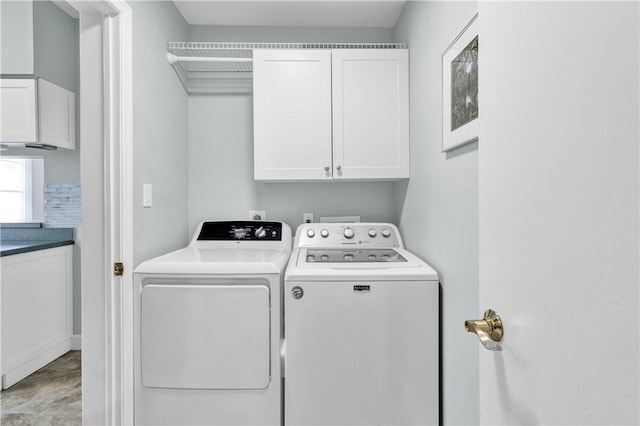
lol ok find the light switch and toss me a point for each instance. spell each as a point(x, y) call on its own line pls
point(147, 195)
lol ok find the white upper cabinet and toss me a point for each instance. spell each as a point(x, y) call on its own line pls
point(370, 114)
point(19, 110)
point(57, 115)
point(292, 114)
point(37, 111)
point(331, 114)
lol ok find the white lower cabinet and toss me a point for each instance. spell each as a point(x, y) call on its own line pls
point(37, 311)
point(338, 114)
point(37, 111)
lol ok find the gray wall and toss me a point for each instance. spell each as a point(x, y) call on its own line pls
point(439, 204)
point(55, 39)
point(287, 34)
point(221, 184)
point(159, 131)
point(16, 37)
point(38, 38)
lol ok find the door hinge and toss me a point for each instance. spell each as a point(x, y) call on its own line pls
point(118, 269)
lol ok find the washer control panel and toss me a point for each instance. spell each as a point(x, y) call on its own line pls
point(241, 230)
point(348, 234)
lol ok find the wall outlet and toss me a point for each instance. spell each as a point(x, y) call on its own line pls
point(307, 217)
point(257, 215)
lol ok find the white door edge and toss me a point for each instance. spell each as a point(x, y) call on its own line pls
point(106, 138)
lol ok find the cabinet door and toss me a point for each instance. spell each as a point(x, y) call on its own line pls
point(292, 114)
point(216, 337)
point(19, 116)
point(57, 115)
point(36, 310)
point(370, 114)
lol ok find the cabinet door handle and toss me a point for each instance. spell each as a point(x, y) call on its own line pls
point(326, 169)
point(339, 168)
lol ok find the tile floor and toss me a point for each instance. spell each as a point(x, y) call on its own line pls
point(50, 396)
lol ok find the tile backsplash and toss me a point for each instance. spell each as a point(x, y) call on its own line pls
point(62, 205)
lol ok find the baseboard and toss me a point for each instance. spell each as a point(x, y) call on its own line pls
point(76, 342)
point(32, 365)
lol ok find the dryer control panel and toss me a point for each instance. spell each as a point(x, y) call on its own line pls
point(249, 230)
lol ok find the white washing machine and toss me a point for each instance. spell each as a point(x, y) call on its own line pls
point(361, 329)
point(208, 328)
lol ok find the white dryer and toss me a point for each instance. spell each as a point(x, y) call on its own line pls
point(208, 328)
point(361, 329)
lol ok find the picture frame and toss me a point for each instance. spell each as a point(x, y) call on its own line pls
point(460, 108)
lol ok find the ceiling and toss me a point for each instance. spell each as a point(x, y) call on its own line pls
point(292, 13)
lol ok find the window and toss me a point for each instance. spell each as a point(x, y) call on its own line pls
point(21, 189)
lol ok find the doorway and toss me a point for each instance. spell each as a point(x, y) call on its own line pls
point(106, 176)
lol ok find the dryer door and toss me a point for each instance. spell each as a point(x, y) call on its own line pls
point(205, 336)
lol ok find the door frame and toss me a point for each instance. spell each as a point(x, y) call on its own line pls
point(106, 135)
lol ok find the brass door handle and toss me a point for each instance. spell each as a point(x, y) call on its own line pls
point(489, 330)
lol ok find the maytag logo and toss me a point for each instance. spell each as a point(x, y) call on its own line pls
point(362, 288)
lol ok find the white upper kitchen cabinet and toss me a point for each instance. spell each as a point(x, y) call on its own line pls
point(19, 110)
point(37, 111)
point(338, 114)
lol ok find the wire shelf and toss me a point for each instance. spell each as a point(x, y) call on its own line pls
point(205, 66)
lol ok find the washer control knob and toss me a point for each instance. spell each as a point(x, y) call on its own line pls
point(386, 233)
point(372, 233)
point(348, 233)
point(311, 233)
point(348, 257)
point(324, 233)
point(239, 233)
point(261, 232)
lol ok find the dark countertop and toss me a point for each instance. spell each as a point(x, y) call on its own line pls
point(7, 248)
point(17, 239)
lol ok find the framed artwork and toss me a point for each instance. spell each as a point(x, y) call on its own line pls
point(460, 108)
